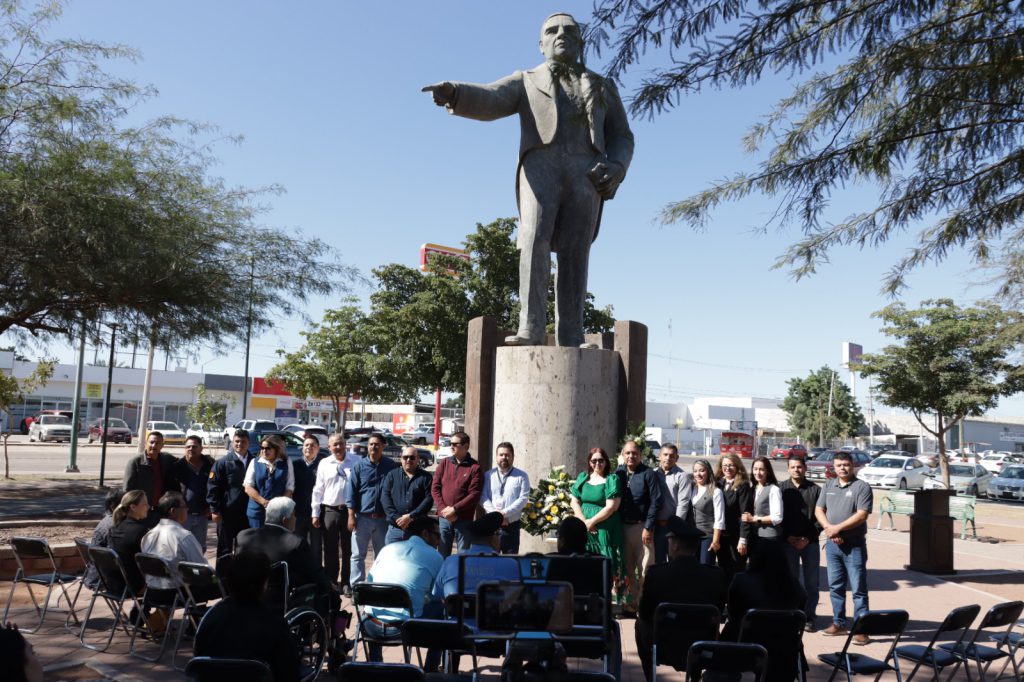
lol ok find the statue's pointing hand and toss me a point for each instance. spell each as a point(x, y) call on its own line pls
point(443, 93)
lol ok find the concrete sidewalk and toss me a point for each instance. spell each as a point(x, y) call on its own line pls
point(986, 574)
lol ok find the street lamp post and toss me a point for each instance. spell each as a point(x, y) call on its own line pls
point(106, 404)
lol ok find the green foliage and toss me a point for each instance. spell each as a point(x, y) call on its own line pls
point(807, 405)
point(421, 319)
point(549, 503)
point(102, 219)
point(948, 361)
point(210, 410)
point(13, 392)
point(339, 359)
point(921, 99)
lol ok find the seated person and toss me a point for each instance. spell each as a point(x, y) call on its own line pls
point(170, 540)
point(101, 535)
point(277, 540)
point(481, 532)
point(768, 583)
point(572, 537)
point(20, 661)
point(242, 626)
point(130, 524)
point(414, 564)
point(683, 580)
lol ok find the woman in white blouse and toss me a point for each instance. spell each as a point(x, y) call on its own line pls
point(767, 514)
point(707, 508)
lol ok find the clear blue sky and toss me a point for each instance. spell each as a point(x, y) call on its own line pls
point(327, 96)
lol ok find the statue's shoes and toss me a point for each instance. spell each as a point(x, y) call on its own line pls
point(589, 346)
point(518, 340)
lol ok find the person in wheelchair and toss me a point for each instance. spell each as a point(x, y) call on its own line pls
point(277, 539)
point(242, 626)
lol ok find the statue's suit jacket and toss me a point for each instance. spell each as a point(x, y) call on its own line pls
point(532, 94)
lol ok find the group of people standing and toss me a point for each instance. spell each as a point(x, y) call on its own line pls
point(630, 511)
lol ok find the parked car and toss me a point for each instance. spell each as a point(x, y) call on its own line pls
point(301, 430)
point(821, 467)
point(964, 479)
point(421, 435)
point(254, 426)
point(814, 452)
point(50, 427)
point(929, 459)
point(115, 431)
point(27, 422)
point(172, 433)
point(292, 444)
point(393, 446)
point(1008, 484)
point(894, 471)
point(209, 433)
point(996, 461)
point(876, 449)
point(784, 450)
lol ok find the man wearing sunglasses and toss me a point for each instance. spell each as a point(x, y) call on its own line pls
point(405, 495)
point(457, 486)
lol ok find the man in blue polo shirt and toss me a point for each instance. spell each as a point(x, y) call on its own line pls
point(412, 563)
point(366, 519)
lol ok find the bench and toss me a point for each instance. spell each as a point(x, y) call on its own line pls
point(961, 507)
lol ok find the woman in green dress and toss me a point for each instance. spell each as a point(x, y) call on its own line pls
point(595, 501)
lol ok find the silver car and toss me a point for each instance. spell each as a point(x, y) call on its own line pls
point(50, 427)
point(894, 471)
point(964, 479)
point(1008, 485)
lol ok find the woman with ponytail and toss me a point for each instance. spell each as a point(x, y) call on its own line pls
point(126, 536)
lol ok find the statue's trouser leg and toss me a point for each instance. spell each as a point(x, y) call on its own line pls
point(538, 208)
point(577, 220)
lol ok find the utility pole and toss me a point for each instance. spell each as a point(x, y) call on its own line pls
point(76, 410)
point(248, 336)
point(106, 403)
point(831, 387)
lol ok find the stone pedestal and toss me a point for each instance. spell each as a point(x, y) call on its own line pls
point(554, 404)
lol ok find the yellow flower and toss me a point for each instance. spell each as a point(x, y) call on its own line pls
point(533, 515)
point(550, 519)
point(551, 488)
point(554, 509)
point(561, 496)
point(539, 504)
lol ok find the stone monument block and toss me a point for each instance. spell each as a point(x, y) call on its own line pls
point(555, 403)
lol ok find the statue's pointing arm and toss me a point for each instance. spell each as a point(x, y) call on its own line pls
point(481, 102)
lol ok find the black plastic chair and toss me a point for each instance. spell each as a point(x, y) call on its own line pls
point(677, 626)
point(379, 595)
point(199, 586)
point(781, 633)
point(999, 616)
point(444, 635)
point(727, 659)
point(82, 546)
point(1012, 642)
point(207, 669)
point(375, 672)
point(959, 619)
point(871, 624)
point(113, 590)
point(165, 599)
point(38, 549)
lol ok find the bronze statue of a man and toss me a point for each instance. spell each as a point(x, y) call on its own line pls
point(574, 151)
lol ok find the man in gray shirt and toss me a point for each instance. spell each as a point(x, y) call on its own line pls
point(676, 486)
point(842, 510)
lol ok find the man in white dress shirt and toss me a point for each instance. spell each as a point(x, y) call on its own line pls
point(330, 513)
point(506, 490)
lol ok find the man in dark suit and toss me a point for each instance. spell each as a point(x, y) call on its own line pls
point(574, 150)
point(277, 540)
point(153, 472)
point(683, 580)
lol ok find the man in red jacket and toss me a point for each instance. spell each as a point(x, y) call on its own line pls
point(458, 483)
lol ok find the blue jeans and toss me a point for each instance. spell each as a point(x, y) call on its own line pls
point(847, 563)
point(368, 529)
point(394, 534)
point(453, 531)
point(198, 525)
point(810, 557)
point(706, 556)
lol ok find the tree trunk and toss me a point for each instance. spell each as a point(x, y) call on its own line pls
point(340, 410)
point(943, 459)
point(7, 463)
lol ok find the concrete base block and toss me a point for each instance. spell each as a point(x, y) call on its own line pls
point(554, 404)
